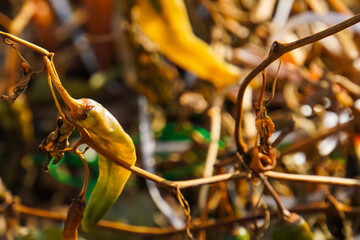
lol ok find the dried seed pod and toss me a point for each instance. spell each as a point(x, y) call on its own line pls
point(293, 227)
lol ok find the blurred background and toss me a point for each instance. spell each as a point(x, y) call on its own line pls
point(102, 53)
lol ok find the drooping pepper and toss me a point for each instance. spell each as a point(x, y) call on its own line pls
point(102, 132)
point(167, 24)
point(108, 134)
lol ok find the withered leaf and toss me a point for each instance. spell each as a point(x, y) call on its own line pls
point(22, 85)
point(56, 141)
point(265, 128)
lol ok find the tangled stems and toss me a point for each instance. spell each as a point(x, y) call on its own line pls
point(277, 50)
point(322, 207)
point(194, 182)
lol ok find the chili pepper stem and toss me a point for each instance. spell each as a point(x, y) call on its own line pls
point(77, 108)
point(68, 100)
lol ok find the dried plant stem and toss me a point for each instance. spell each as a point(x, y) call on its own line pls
point(276, 52)
point(283, 210)
point(73, 219)
point(215, 129)
point(57, 104)
point(346, 182)
point(70, 102)
point(323, 207)
point(210, 180)
point(30, 45)
point(159, 180)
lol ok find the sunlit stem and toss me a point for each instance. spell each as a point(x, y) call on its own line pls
point(266, 102)
point(56, 101)
point(26, 43)
point(71, 103)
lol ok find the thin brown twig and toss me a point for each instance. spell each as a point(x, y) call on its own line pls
point(159, 180)
point(155, 231)
point(210, 180)
point(86, 180)
point(186, 207)
point(283, 210)
point(301, 143)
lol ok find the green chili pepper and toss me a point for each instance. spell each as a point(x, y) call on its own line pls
point(106, 131)
point(295, 229)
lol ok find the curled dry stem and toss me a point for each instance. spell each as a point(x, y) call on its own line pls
point(273, 87)
point(73, 218)
point(30, 45)
point(185, 205)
